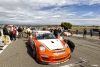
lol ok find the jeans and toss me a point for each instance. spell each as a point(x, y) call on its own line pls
point(14, 36)
point(84, 35)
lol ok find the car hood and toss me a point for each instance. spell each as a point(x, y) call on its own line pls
point(52, 44)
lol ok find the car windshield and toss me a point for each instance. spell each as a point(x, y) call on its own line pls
point(45, 36)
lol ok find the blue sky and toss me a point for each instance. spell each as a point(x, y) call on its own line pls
point(77, 12)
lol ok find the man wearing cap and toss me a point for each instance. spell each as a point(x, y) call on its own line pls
point(5, 33)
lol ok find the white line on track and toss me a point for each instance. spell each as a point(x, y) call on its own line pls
point(3, 49)
point(76, 63)
point(69, 65)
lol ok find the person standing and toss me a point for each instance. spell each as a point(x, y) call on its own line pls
point(76, 31)
point(70, 44)
point(84, 33)
point(10, 34)
point(59, 31)
point(22, 31)
point(91, 32)
point(28, 31)
point(51, 30)
point(13, 31)
point(19, 32)
point(43, 28)
point(6, 34)
point(56, 32)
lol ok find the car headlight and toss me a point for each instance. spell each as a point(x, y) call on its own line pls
point(66, 45)
point(42, 48)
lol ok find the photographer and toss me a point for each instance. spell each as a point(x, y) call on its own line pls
point(70, 44)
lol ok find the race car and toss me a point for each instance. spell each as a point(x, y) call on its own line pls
point(47, 48)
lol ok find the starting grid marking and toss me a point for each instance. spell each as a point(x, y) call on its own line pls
point(79, 63)
point(3, 49)
point(69, 65)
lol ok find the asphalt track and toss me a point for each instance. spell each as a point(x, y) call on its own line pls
point(19, 54)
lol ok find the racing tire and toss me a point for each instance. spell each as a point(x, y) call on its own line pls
point(70, 44)
point(28, 43)
point(34, 52)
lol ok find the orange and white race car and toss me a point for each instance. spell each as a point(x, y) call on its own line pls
point(47, 48)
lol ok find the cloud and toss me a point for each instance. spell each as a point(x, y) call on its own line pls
point(37, 17)
point(56, 16)
point(47, 12)
point(88, 14)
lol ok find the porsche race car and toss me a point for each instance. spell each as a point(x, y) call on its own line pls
point(47, 48)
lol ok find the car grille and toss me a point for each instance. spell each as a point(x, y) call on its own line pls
point(45, 58)
point(59, 59)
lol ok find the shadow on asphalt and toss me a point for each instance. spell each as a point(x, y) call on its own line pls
point(30, 52)
point(29, 49)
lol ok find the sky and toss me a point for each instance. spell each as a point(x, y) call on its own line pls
point(50, 12)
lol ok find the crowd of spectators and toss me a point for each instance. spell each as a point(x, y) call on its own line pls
point(10, 33)
point(85, 32)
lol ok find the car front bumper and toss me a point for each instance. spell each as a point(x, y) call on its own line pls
point(54, 59)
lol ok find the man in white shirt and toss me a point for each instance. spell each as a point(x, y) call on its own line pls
point(28, 32)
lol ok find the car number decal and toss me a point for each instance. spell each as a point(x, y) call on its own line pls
point(59, 53)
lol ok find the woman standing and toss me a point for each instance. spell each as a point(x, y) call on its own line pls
point(13, 31)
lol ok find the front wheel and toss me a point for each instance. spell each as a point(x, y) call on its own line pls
point(34, 51)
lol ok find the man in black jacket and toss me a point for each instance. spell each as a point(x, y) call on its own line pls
point(6, 34)
point(70, 44)
point(56, 32)
point(84, 33)
point(20, 32)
